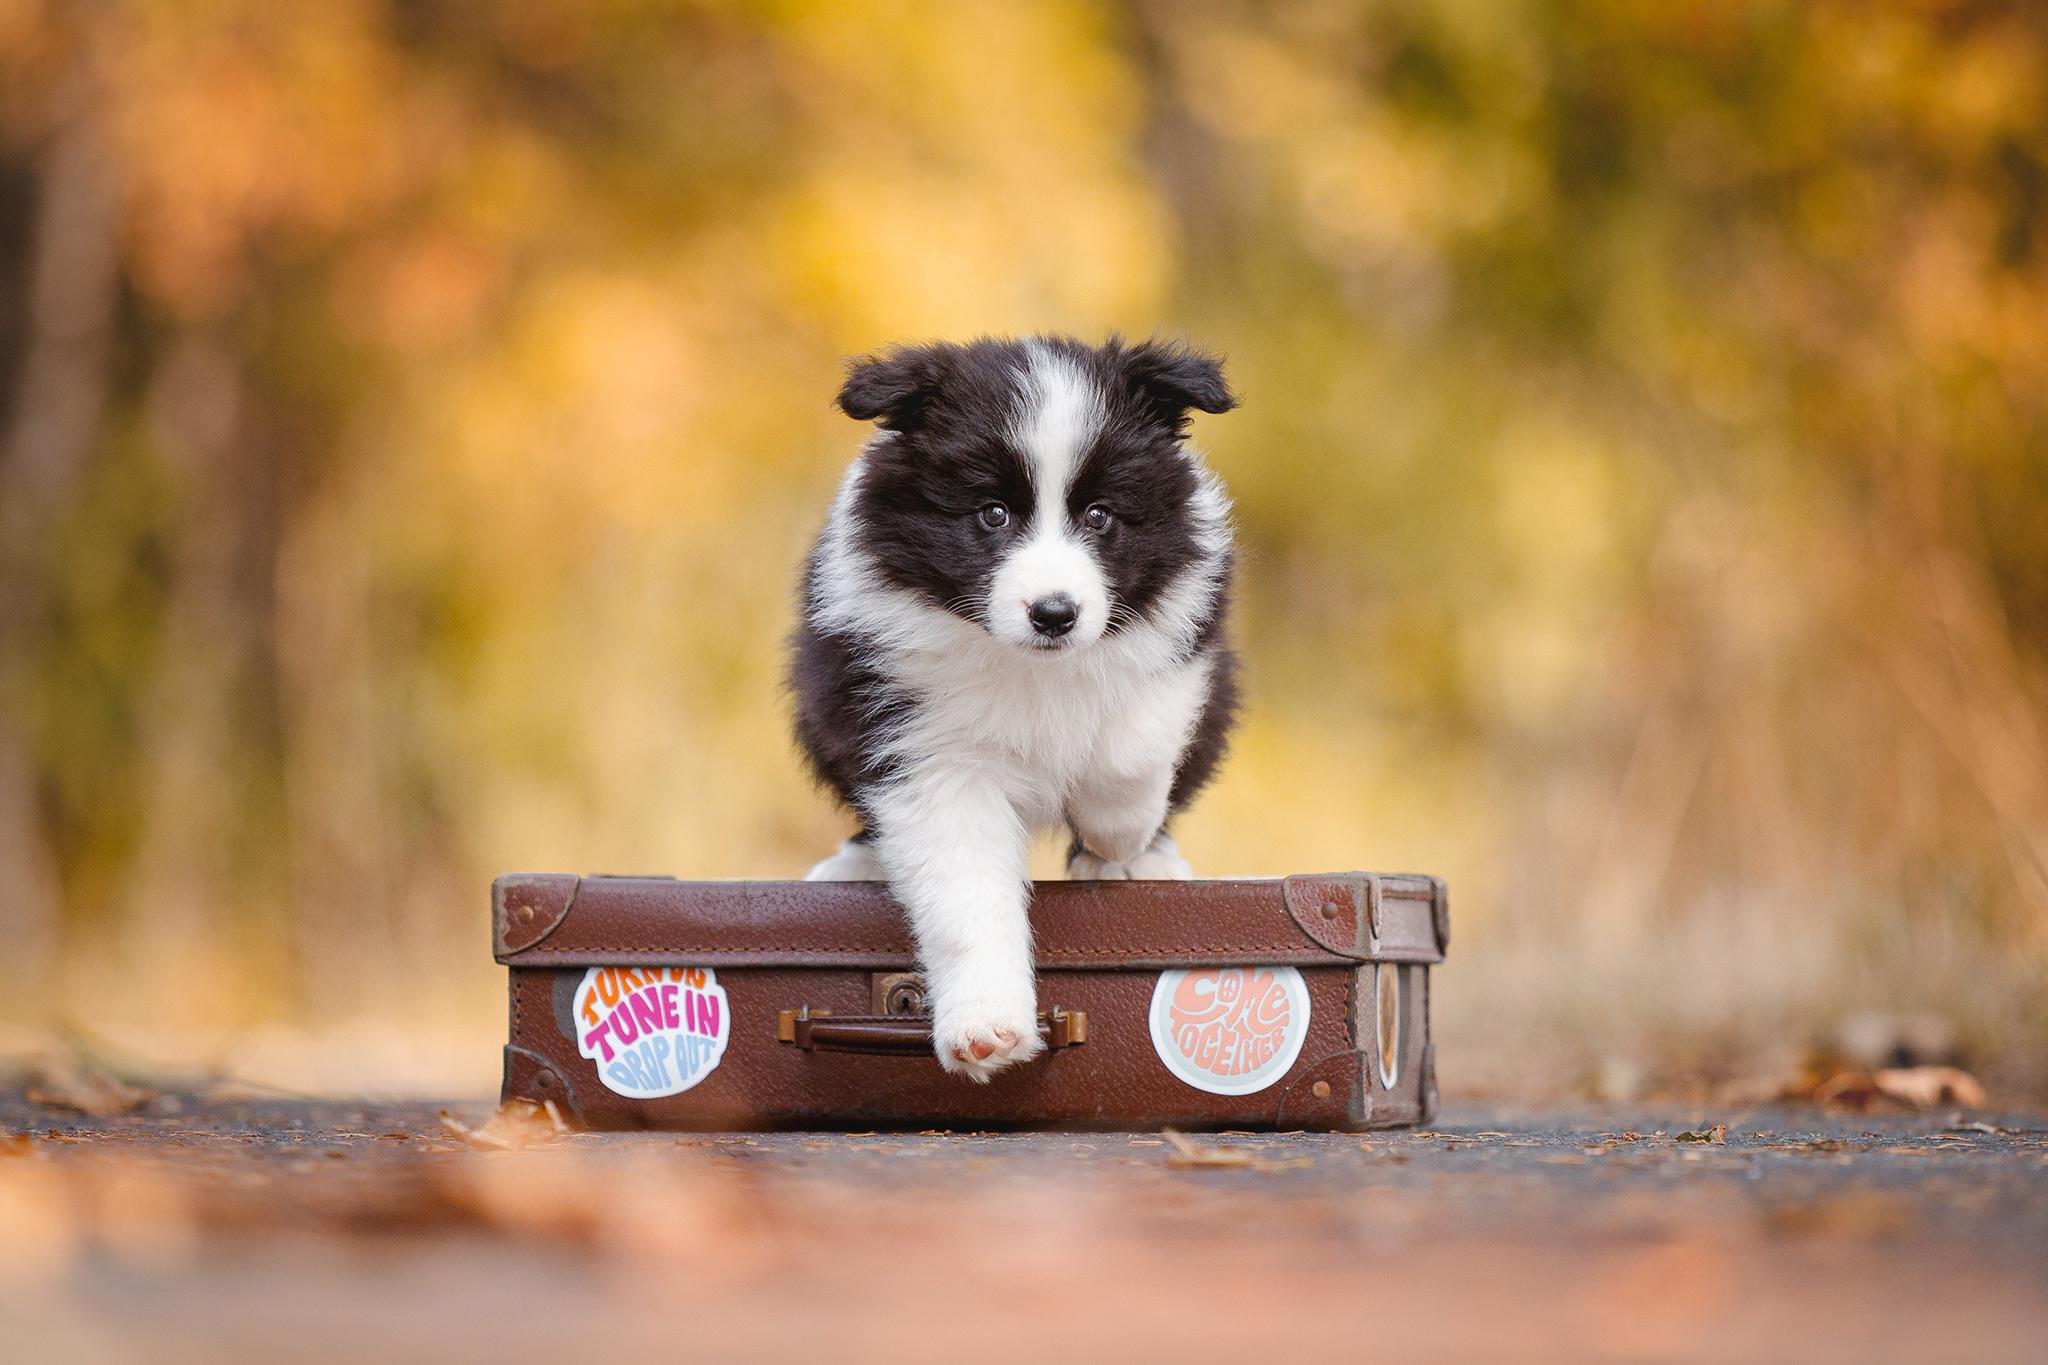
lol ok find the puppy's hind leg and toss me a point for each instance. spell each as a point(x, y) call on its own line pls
point(1160, 862)
point(854, 862)
point(1117, 823)
point(1083, 866)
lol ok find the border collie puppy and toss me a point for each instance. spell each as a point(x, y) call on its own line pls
point(1013, 621)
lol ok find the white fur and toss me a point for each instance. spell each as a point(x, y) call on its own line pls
point(854, 862)
point(1160, 862)
point(1006, 737)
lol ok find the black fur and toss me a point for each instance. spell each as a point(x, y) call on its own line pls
point(949, 409)
point(842, 704)
point(1211, 738)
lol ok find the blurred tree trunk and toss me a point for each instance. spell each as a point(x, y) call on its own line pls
point(203, 716)
point(71, 286)
point(347, 884)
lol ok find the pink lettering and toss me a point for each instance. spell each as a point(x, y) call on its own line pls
point(707, 1015)
point(646, 1011)
point(597, 1035)
point(668, 1006)
point(623, 1027)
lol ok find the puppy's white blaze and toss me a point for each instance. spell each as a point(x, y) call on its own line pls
point(1062, 416)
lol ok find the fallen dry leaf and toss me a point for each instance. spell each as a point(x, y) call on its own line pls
point(1828, 1145)
point(516, 1126)
point(1848, 1090)
point(65, 1086)
point(1718, 1133)
point(1918, 1087)
point(1186, 1153)
point(1926, 1086)
point(1189, 1154)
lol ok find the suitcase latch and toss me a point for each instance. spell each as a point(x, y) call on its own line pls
point(896, 993)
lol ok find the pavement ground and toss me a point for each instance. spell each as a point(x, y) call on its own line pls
point(243, 1229)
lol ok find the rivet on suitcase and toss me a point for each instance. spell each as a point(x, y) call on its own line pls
point(1298, 1002)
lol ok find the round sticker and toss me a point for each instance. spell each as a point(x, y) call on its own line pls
point(652, 1031)
point(1229, 1030)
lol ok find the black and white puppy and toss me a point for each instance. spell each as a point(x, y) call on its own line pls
point(1013, 620)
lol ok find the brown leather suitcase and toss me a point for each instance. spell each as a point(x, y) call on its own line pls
point(1293, 1003)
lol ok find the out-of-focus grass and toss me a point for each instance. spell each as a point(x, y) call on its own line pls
point(1640, 480)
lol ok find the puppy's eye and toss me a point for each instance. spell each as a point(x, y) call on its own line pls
point(995, 516)
point(1097, 518)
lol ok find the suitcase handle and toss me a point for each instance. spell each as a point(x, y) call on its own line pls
point(908, 1034)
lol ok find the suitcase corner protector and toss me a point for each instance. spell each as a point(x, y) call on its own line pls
point(528, 906)
point(1339, 912)
point(530, 1076)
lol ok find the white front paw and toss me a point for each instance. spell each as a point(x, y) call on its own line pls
point(978, 1039)
point(1160, 863)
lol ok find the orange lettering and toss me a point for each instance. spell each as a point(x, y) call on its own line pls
point(1205, 1050)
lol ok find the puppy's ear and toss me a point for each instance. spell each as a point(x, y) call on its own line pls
point(1175, 377)
point(890, 389)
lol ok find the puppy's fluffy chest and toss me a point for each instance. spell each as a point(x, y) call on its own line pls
point(1048, 721)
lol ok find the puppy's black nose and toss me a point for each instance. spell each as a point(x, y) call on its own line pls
point(1054, 615)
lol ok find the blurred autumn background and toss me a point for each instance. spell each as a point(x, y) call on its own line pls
point(412, 413)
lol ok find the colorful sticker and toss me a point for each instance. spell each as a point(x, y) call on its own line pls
point(1230, 1030)
point(652, 1031)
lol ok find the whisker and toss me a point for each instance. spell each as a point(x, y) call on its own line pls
point(969, 604)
